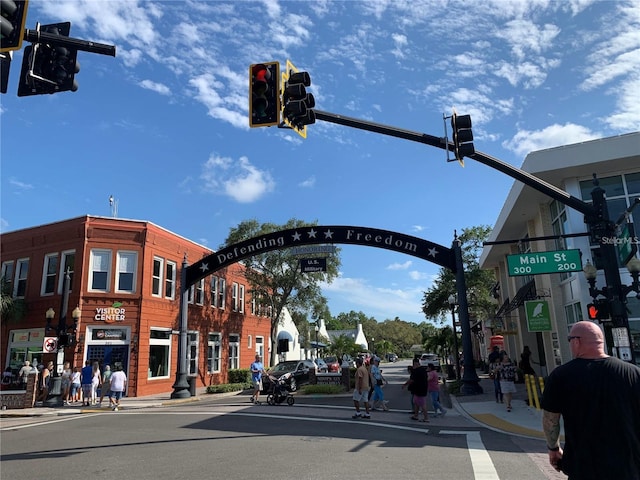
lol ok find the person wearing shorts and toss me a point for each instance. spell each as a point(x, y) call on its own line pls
point(117, 387)
point(361, 390)
point(257, 369)
point(86, 377)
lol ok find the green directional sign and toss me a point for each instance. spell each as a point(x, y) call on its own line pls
point(538, 316)
point(536, 263)
point(626, 243)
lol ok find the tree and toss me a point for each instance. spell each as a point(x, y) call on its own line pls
point(11, 309)
point(479, 282)
point(275, 279)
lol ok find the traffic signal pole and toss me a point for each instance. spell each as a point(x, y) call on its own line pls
point(596, 214)
point(36, 36)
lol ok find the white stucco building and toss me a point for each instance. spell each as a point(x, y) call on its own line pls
point(528, 214)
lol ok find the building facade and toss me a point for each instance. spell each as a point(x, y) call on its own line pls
point(527, 216)
point(125, 281)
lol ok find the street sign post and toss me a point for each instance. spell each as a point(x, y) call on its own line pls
point(536, 263)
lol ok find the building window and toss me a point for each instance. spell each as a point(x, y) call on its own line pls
point(68, 263)
point(170, 281)
point(260, 347)
point(156, 277)
point(249, 341)
point(49, 273)
point(126, 267)
point(192, 353)
point(214, 291)
point(190, 293)
point(7, 277)
point(234, 296)
point(159, 353)
point(241, 299)
point(20, 284)
point(234, 351)
point(222, 288)
point(200, 292)
point(214, 353)
point(99, 270)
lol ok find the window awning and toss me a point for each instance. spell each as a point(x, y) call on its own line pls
point(284, 335)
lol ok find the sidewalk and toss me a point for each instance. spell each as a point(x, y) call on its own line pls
point(522, 420)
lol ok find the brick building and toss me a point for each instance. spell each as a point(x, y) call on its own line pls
point(125, 279)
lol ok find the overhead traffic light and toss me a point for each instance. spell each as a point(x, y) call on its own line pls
point(47, 68)
point(599, 309)
point(264, 94)
point(297, 104)
point(14, 16)
point(462, 137)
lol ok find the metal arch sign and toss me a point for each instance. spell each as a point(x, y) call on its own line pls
point(313, 235)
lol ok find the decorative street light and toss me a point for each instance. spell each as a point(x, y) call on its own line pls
point(316, 328)
point(613, 306)
point(373, 344)
point(65, 338)
point(452, 306)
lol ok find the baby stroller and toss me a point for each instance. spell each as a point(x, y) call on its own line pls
point(278, 390)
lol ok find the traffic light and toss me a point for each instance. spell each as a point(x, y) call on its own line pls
point(14, 16)
point(462, 137)
point(264, 94)
point(599, 309)
point(297, 104)
point(49, 68)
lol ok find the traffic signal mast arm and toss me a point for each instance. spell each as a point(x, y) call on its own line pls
point(439, 142)
point(36, 36)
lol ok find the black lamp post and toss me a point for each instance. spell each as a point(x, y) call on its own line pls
point(615, 298)
point(64, 339)
point(316, 328)
point(452, 306)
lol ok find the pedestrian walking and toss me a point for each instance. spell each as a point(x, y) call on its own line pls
point(598, 398)
point(106, 383)
point(494, 374)
point(419, 387)
point(433, 386)
point(23, 374)
point(65, 382)
point(361, 390)
point(257, 370)
point(96, 380)
point(507, 372)
point(86, 378)
point(76, 387)
point(118, 384)
point(377, 380)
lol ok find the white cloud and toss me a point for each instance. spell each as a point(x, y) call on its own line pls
point(416, 275)
point(20, 185)
point(308, 183)
point(552, 136)
point(155, 87)
point(399, 266)
point(239, 180)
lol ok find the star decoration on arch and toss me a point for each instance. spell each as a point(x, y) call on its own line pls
point(328, 234)
point(296, 237)
point(433, 252)
point(312, 233)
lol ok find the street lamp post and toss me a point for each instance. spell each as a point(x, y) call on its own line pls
point(316, 328)
point(64, 339)
point(452, 306)
point(619, 345)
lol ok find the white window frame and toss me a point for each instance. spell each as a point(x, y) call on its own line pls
point(64, 263)
point(249, 341)
point(241, 299)
point(132, 269)
point(95, 253)
point(157, 278)
point(193, 337)
point(6, 271)
point(260, 347)
point(235, 287)
point(199, 292)
point(222, 288)
point(21, 275)
point(234, 351)
point(214, 352)
point(164, 343)
point(47, 274)
point(170, 280)
point(214, 291)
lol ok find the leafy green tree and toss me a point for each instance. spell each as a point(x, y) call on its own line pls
point(343, 344)
point(479, 282)
point(275, 278)
point(11, 309)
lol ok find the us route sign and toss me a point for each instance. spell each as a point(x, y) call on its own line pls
point(536, 263)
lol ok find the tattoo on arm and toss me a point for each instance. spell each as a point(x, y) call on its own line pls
point(551, 428)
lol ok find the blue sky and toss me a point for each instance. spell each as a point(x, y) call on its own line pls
point(163, 127)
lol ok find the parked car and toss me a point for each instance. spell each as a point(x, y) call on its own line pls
point(392, 357)
point(299, 372)
point(430, 358)
point(321, 365)
point(333, 364)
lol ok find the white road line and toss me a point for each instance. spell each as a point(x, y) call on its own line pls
point(483, 468)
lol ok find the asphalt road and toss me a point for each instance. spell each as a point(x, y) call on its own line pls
point(229, 438)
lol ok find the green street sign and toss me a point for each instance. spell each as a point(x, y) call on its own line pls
point(626, 243)
point(536, 263)
point(538, 316)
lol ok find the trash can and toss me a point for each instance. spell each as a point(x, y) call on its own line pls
point(192, 385)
